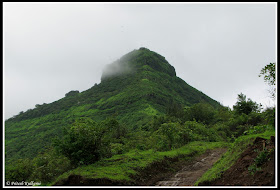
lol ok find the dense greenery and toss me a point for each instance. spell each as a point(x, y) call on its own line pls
point(87, 141)
point(245, 106)
point(133, 98)
point(87, 144)
point(126, 166)
point(233, 153)
point(45, 167)
point(145, 111)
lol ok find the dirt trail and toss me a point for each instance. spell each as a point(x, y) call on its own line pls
point(239, 173)
point(189, 174)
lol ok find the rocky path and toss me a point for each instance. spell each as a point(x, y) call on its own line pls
point(189, 174)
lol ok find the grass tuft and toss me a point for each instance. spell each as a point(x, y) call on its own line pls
point(123, 167)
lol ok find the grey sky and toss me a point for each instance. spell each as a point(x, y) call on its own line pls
point(52, 48)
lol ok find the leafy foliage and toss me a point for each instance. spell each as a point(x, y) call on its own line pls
point(201, 112)
point(269, 77)
point(269, 73)
point(87, 141)
point(231, 156)
point(20, 170)
point(262, 157)
point(125, 166)
point(45, 167)
point(245, 106)
point(72, 93)
point(49, 165)
point(133, 98)
point(144, 109)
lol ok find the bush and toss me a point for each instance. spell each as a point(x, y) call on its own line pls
point(256, 129)
point(117, 148)
point(223, 130)
point(138, 139)
point(261, 158)
point(236, 121)
point(170, 136)
point(200, 112)
point(83, 143)
point(223, 114)
point(254, 118)
point(200, 132)
point(19, 170)
point(269, 116)
point(174, 135)
point(49, 165)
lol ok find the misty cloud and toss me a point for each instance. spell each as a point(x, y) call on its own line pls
point(115, 69)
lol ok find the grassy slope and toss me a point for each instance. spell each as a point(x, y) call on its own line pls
point(232, 155)
point(125, 166)
point(132, 98)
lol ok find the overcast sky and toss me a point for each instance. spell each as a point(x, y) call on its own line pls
point(53, 48)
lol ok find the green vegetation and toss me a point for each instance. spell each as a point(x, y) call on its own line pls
point(126, 166)
point(245, 106)
point(132, 119)
point(232, 154)
point(107, 149)
point(132, 101)
point(254, 124)
point(45, 167)
point(87, 141)
point(261, 158)
point(268, 73)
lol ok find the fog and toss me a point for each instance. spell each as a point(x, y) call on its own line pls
point(115, 69)
point(53, 48)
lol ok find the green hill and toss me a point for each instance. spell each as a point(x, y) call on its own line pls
point(133, 89)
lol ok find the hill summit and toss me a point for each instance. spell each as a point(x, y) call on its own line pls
point(133, 89)
point(138, 60)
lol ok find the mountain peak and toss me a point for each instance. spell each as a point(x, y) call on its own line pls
point(139, 60)
point(134, 89)
point(143, 48)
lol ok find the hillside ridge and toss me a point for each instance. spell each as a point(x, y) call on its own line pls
point(134, 89)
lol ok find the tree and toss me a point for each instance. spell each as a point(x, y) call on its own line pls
point(174, 109)
point(82, 143)
point(201, 112)
point(48, 165)
point(269, 77)
point(72, 93)
point(87, 141)
point(245, 106)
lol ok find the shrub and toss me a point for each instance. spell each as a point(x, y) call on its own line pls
point(269, 116)
point(223, 114)
point(19, 170)
point(83, 143)
point(200, 132)
point(117, 148)
point(49, 165)
point(256, 129)
point(171, 135)
point(254, 118)
point(261, 158)
point(223, 130)
point(201, 112)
